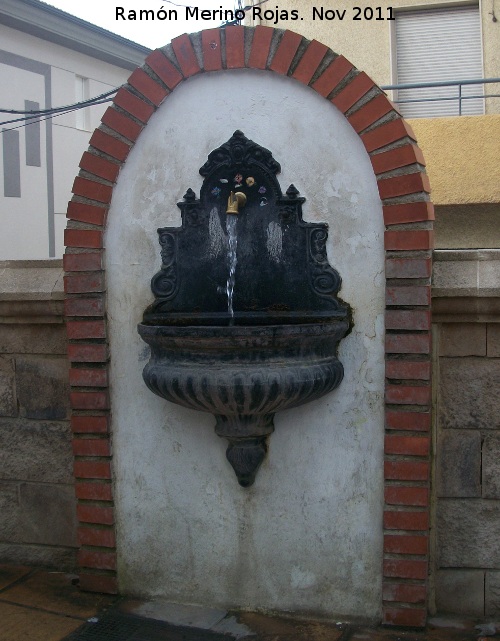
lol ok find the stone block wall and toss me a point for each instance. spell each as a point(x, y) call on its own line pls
point(37, 504)
point(37, 500)
point(467, 465)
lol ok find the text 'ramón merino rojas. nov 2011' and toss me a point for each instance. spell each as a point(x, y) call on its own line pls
point(270, 15)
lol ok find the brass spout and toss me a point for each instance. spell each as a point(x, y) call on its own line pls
point(235, 202)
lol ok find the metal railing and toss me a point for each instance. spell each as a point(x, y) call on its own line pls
point(451, 83)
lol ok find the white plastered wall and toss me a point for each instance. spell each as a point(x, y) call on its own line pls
point(307, 536)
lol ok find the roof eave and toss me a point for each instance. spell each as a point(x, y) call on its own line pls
point(46, 22)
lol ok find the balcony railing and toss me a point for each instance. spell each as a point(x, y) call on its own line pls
point(459, 97)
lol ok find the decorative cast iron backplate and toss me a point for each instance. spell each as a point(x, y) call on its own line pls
point(282, 271)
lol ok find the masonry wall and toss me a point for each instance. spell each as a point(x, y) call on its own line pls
point(37, 504)
point(36, 486)
point(467, 475)
point(307, 536)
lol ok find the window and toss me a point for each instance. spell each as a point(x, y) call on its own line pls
point(436, 45)
point(81, 94)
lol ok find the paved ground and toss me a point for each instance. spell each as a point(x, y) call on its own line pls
point(38, 605)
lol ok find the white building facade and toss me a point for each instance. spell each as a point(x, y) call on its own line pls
point(49, 59)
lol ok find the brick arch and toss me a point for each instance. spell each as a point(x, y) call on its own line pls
point(404, 191)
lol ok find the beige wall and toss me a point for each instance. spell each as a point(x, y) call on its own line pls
point(462, 158)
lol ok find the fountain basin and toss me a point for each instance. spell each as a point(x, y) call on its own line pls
point(243, 375)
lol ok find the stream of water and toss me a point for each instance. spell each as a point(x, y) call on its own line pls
point(231, 222)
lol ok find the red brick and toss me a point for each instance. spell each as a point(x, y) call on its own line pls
point(89, 424)
point(408, 213)
point(409, 240)
point(411, 295)
point(95, 514)
point(395, 158)
point(99, 166)
point(92, 190)
point(133, 105)
point(122, 124)
point(408, 370)
point(406, 544)
point(406, 470)
point(410, 496)
point(309, 62)
point(386, 134)
point(406, 521)
point(407, 445)
point(84, 307)
point(92, 470)
point(88, 377)
point(235, 47)
point(212, 57)
point(331, 77)
point(95, 491)
point(408, 268)
point(403, 185)
point(148, 87)
point(370, 113)
point(85, 329)
point(185, 55)
point(89, 400)
point(356, 89)
point(83, 283)
point(261, 45)
point(164, 69)
point(416, 319)
point(405, 568)
point(96, 559)
point(91, 447)
point(99, 537)
point(411, 421)
point(408, 395)
point(285, 53)
point(109, 145)
point(88, 262)
point(406, 617)
point(83, 238)
point(405, 592)
point(407, 343)
point(101, 583)
point(93, 214)
point(90, 353)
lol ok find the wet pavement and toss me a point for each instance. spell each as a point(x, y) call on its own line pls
point(39, 605)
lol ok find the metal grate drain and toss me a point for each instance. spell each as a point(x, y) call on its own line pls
point(124, 627)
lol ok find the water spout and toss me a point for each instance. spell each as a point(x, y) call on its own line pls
point(235, 202)
point(233, 244)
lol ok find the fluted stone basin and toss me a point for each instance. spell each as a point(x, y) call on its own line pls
point(243, 375)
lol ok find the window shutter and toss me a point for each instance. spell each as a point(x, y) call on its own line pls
point(438, 45)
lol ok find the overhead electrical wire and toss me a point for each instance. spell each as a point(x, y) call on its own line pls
point(37, 115)
point(34, 119)
point(82, 103)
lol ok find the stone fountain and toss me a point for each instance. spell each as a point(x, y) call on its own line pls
point(246, 320)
